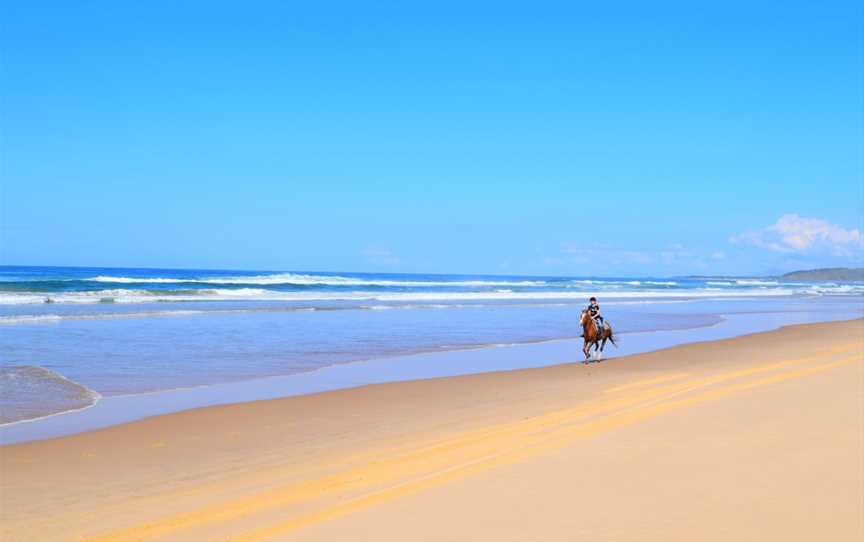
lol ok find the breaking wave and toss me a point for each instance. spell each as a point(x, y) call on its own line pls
point(316, 280)
point(123, 286)
point(123, 296)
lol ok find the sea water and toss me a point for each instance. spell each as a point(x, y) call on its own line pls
point(69, 336)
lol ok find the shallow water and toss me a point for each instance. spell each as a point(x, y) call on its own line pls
point(20, 384)
point(124, 408)
point(76, 348)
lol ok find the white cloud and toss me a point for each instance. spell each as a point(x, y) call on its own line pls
point(798, 234)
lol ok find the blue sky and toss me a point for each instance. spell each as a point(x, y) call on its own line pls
point(595, 138)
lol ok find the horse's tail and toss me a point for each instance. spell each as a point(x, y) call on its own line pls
point(612, 339)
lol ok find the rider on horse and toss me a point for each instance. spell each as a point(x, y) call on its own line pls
point(594, 311)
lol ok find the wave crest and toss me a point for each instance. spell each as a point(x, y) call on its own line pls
point(316, 280)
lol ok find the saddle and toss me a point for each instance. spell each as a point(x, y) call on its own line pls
point(600, 328)
point(596, 328)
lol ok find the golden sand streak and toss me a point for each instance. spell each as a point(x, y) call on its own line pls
point(558, 440)
point(649, 382)
point(462, 455)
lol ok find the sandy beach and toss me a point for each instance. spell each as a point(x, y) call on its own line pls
point(759, 437)
point(279, 271)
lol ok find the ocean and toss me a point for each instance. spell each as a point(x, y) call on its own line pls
point(70, 337)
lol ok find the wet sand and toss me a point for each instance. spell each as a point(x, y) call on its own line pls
point(753, 438)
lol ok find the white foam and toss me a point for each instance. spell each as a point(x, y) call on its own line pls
point(53, 318)
point(317, 280)
point(465, 296)
point(132, 280)
point(256, 294)
point(123, 296)
point(30, 319)
point(822, 289)
point(21, 299)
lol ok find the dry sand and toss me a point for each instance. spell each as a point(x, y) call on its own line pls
point(753, 438)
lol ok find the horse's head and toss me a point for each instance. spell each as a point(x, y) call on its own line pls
point(584, 318)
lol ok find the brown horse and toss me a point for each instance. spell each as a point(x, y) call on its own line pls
point(593, 336)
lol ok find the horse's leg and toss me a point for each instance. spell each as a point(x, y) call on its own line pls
point(585, 348)
point(590, 347)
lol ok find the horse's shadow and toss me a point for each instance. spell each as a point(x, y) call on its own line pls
point(592, 360)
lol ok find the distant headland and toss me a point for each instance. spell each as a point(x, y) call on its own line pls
point(828, 273)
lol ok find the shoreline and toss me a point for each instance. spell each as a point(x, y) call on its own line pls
point(321, 466)
point(112, 410)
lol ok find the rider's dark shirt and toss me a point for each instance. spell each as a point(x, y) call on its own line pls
point(593, 310)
